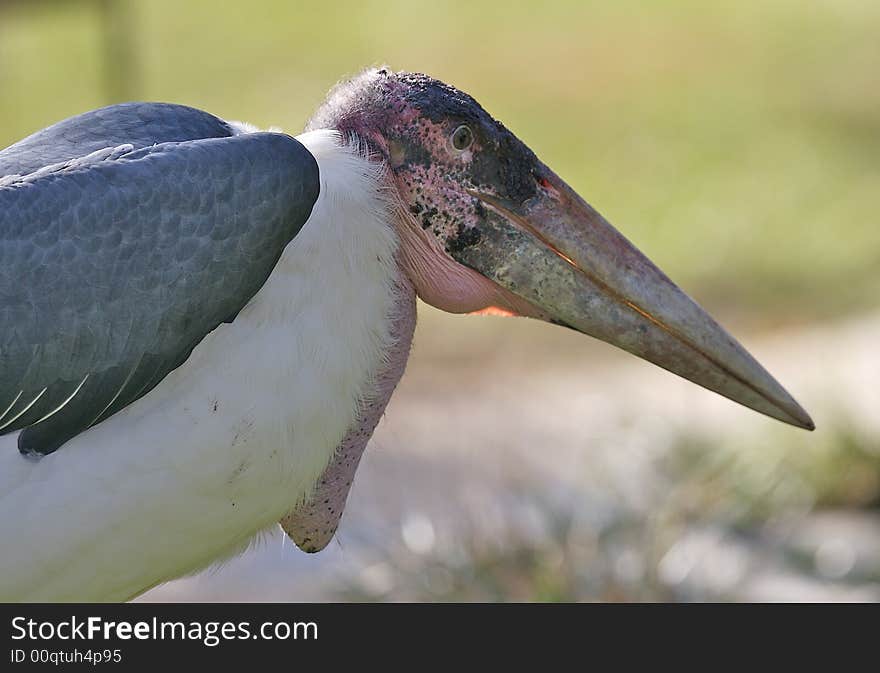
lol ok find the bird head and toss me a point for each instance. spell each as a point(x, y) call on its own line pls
point(485, 225)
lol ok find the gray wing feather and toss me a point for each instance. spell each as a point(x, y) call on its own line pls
point(137, 124)
point(114, 266)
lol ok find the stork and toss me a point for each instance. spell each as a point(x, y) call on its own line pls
point(202, 323)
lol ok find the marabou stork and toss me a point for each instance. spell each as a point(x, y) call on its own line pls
point(201, 323)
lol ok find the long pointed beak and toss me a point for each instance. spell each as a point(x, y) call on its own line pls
point(558, 253)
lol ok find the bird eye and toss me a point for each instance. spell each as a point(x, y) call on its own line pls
point(462, 137)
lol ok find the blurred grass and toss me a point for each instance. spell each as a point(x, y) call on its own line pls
point(750, 482)
point(737, 143)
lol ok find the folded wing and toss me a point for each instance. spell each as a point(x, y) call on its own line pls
point(116, 264)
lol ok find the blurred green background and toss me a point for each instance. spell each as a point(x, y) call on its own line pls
point(736, 143)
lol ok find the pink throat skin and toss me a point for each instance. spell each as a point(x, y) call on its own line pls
point(445, 284)
point(313, 524)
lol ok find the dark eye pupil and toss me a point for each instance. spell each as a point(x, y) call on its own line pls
point(462, 138)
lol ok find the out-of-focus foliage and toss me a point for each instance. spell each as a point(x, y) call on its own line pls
point(767, 520)
point(738, 143)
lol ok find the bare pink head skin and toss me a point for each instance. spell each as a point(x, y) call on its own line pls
point(426, 171)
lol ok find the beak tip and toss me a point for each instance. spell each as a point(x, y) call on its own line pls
point(798, 417)
point(807, 423)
